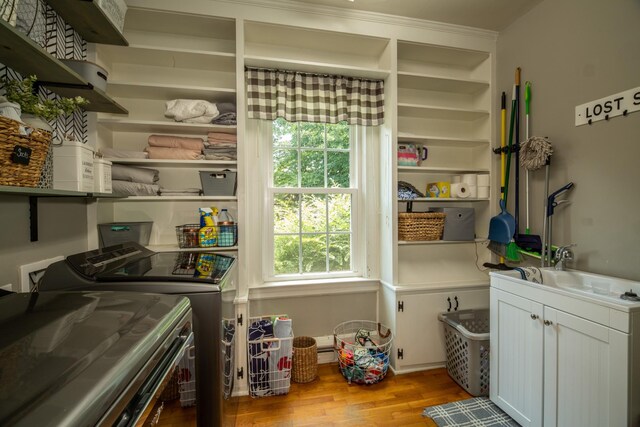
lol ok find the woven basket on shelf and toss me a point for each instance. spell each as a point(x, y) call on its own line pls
point(420, 225)
point(305, 360)
point(37, 140)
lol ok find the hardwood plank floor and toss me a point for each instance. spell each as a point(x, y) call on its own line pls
point(329, 400)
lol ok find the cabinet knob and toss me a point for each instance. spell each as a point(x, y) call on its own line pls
point(534, 316)
point(548, 322)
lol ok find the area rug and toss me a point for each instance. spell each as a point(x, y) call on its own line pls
point(476, 412)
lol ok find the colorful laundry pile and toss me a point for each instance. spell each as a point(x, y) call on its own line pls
point(363, 362)
point(270, 356)
point(221, 146)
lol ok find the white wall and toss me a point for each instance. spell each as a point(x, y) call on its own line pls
point(573, 52)
point(62, 231)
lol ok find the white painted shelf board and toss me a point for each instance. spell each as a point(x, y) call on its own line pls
point(175, 248)
point(314, 67)
point(446, 56)
point(423, 169)
point(130, 89)
point(161, 126)
point(170, 163)
point(441, 199)
point(439, 286)
point(442, 141)
point(168, 57)
point(436, 112)
point(438, 242)
point(180, 198)
point(436, 83)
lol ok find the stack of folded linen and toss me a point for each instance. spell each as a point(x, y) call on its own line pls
point(227, 114)
point(191, 110)
point(200, 111)
point(184, 192)
point(134, 181)
point(220, 146)
point(111, 153)
point(174, 147)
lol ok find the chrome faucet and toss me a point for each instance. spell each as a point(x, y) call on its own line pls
point(563, 254)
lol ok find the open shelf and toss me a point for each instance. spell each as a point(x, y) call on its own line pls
point(88, 20)
point(161, 126)
point(39, 192)
point(422, 169)
point(441, 199)
point(437, 242)
point(440, 84)
point(132, 89)
point(314, 67)
point(437, 112)
point(25, 56)
point(180, 198)
point(443, 141)
point(173, 163)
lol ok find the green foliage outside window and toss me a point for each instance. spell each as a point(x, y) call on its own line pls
point(312, 231)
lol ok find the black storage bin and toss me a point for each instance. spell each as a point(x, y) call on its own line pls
point(114, 233)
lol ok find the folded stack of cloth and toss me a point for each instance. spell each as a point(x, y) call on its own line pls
point(184, 192)
point(134, 181)
point(174, 147)
point(200, 111)
point(221, 146)
point(111, 153)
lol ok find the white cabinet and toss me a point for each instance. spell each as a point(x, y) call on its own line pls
point(419, 335)
point(552, 368)
point(170, 56)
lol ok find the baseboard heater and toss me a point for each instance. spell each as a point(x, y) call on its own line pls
point(325, 349)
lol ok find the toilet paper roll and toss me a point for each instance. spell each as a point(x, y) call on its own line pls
point(483, 192)
point(473, 191)
point(470, 178)
point(483, 181)
point(455, 179)
point(460, 190)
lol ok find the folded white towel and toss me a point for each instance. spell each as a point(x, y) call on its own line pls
point(191, 110)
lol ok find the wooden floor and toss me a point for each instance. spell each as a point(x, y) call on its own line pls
point(329, 401)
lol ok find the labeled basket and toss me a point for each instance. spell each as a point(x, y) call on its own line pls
point(466, 336)
point(362, 347)
point(305, 360)
point(22, 157)
point(420, 225)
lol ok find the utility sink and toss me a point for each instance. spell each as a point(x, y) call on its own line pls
point(604, 288)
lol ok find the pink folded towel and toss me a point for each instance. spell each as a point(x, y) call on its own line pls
point(174, 153)
point(170, 141)
point(223, 137)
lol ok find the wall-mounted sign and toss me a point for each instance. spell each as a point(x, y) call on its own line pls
point(620, 104)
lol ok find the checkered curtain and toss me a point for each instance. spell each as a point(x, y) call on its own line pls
point(303, 97)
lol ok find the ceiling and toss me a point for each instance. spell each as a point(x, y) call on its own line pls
point(493, 15)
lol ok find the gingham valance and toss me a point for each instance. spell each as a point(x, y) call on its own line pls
point(297, 97)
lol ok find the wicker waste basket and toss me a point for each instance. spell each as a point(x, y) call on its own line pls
point(305, 360)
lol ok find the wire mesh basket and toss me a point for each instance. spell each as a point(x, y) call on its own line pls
point(270, 351)
point(466, 336)
point(187, 376)
point(27, 16)
point(228, 358)
point(362, 347)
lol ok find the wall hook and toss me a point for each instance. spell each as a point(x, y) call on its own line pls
point(606, 117)
point(589, 122)
point(624, 113)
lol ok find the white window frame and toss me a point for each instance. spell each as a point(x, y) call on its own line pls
point(356, 136)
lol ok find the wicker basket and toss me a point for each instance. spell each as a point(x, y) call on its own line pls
point(37, 140)
point(305, 360)
point(420, 225)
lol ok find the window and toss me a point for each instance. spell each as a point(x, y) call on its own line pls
point(312, 198)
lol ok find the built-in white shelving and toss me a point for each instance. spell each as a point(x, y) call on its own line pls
point(438, 242)
point(161, 126)
point(443, 199)
point(436, 169)
point(163, 91)
point(438, 112)
point(176, 248)
point(180, 198)
point(174, 163)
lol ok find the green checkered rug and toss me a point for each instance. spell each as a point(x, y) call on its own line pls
point(476, 412)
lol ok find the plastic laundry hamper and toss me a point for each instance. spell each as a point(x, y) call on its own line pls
point(466, 335)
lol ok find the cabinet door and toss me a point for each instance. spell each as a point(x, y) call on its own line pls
point(516, 357)
point(420, 335)
point(585, 379)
